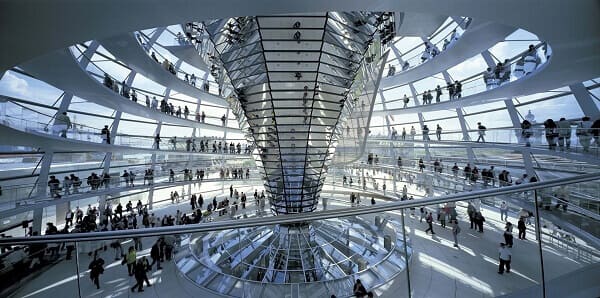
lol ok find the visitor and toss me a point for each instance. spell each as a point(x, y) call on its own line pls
point(564, 134)
point(62, 123)
point(429, 221)
point(531, 60)
point(455, 232)
point(105, 135)
point(479, 220)
point(551, 133)
point(508, 236)
point(438, 93)
point(130, 259)
point(157, 141)
point(522, 228)
point(425, 133)
point(96, 268)
point(505, 257)
point(438, 132)
point(503, 211)
point(526, 132)
point(481, 132)
point(358, 289)
point(584, 133)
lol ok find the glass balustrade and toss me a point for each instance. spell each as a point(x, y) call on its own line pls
point(416, 243)
point(427, 51)
point(89, 134)
point(575, 140)
point(481, 82)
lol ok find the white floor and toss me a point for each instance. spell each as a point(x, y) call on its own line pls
point(437, 269)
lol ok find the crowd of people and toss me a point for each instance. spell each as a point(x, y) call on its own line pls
point(492, 77)
point(71, 184)
point(559, 133)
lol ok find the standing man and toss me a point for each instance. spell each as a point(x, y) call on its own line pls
point(503, 211)
point(505, 257)
point(105, 135)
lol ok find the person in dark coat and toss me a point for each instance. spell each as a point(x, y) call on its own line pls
point(155, 254)
point(96, 268)
point(139, 270)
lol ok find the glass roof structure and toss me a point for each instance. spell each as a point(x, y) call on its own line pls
point(291, 149)
point(292, 75)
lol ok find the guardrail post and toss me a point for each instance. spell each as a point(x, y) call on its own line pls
point(538, 234)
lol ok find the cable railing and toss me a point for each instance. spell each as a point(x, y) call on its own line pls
point(516, 69)
point(430, 51)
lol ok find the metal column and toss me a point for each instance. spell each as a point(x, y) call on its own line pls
point(585, 101)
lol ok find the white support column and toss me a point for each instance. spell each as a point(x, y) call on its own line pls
point(387, 120)
point(528, 163)
point(459, 21)
point(514, 116)
point(113, 133)
point(155, 36)
point(64, 103)
point(88, 53)
point(465, 133)
point(153, 166)
point(36, 224)
point(585, 101)
point(489, 60)
point(421, 120)
point(397, 54)
point(42, 189)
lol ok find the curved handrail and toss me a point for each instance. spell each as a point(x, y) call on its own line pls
point(141, 94)
point(473, 82)
point(299, 217)
point(93, 134)
point(180, 74)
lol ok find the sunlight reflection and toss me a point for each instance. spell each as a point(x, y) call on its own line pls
point(453, 273)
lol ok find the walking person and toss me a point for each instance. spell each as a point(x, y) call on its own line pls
point(455, 232)
point(505, 256)
point(140, 276)
point(155, 254)
point(508, 236)
point(438, 132)
point(62, 123)
point(479, 220)
point(96, 268)
point(129, 259)
point(429, 220)
point(522, 228)
point(481, 131)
